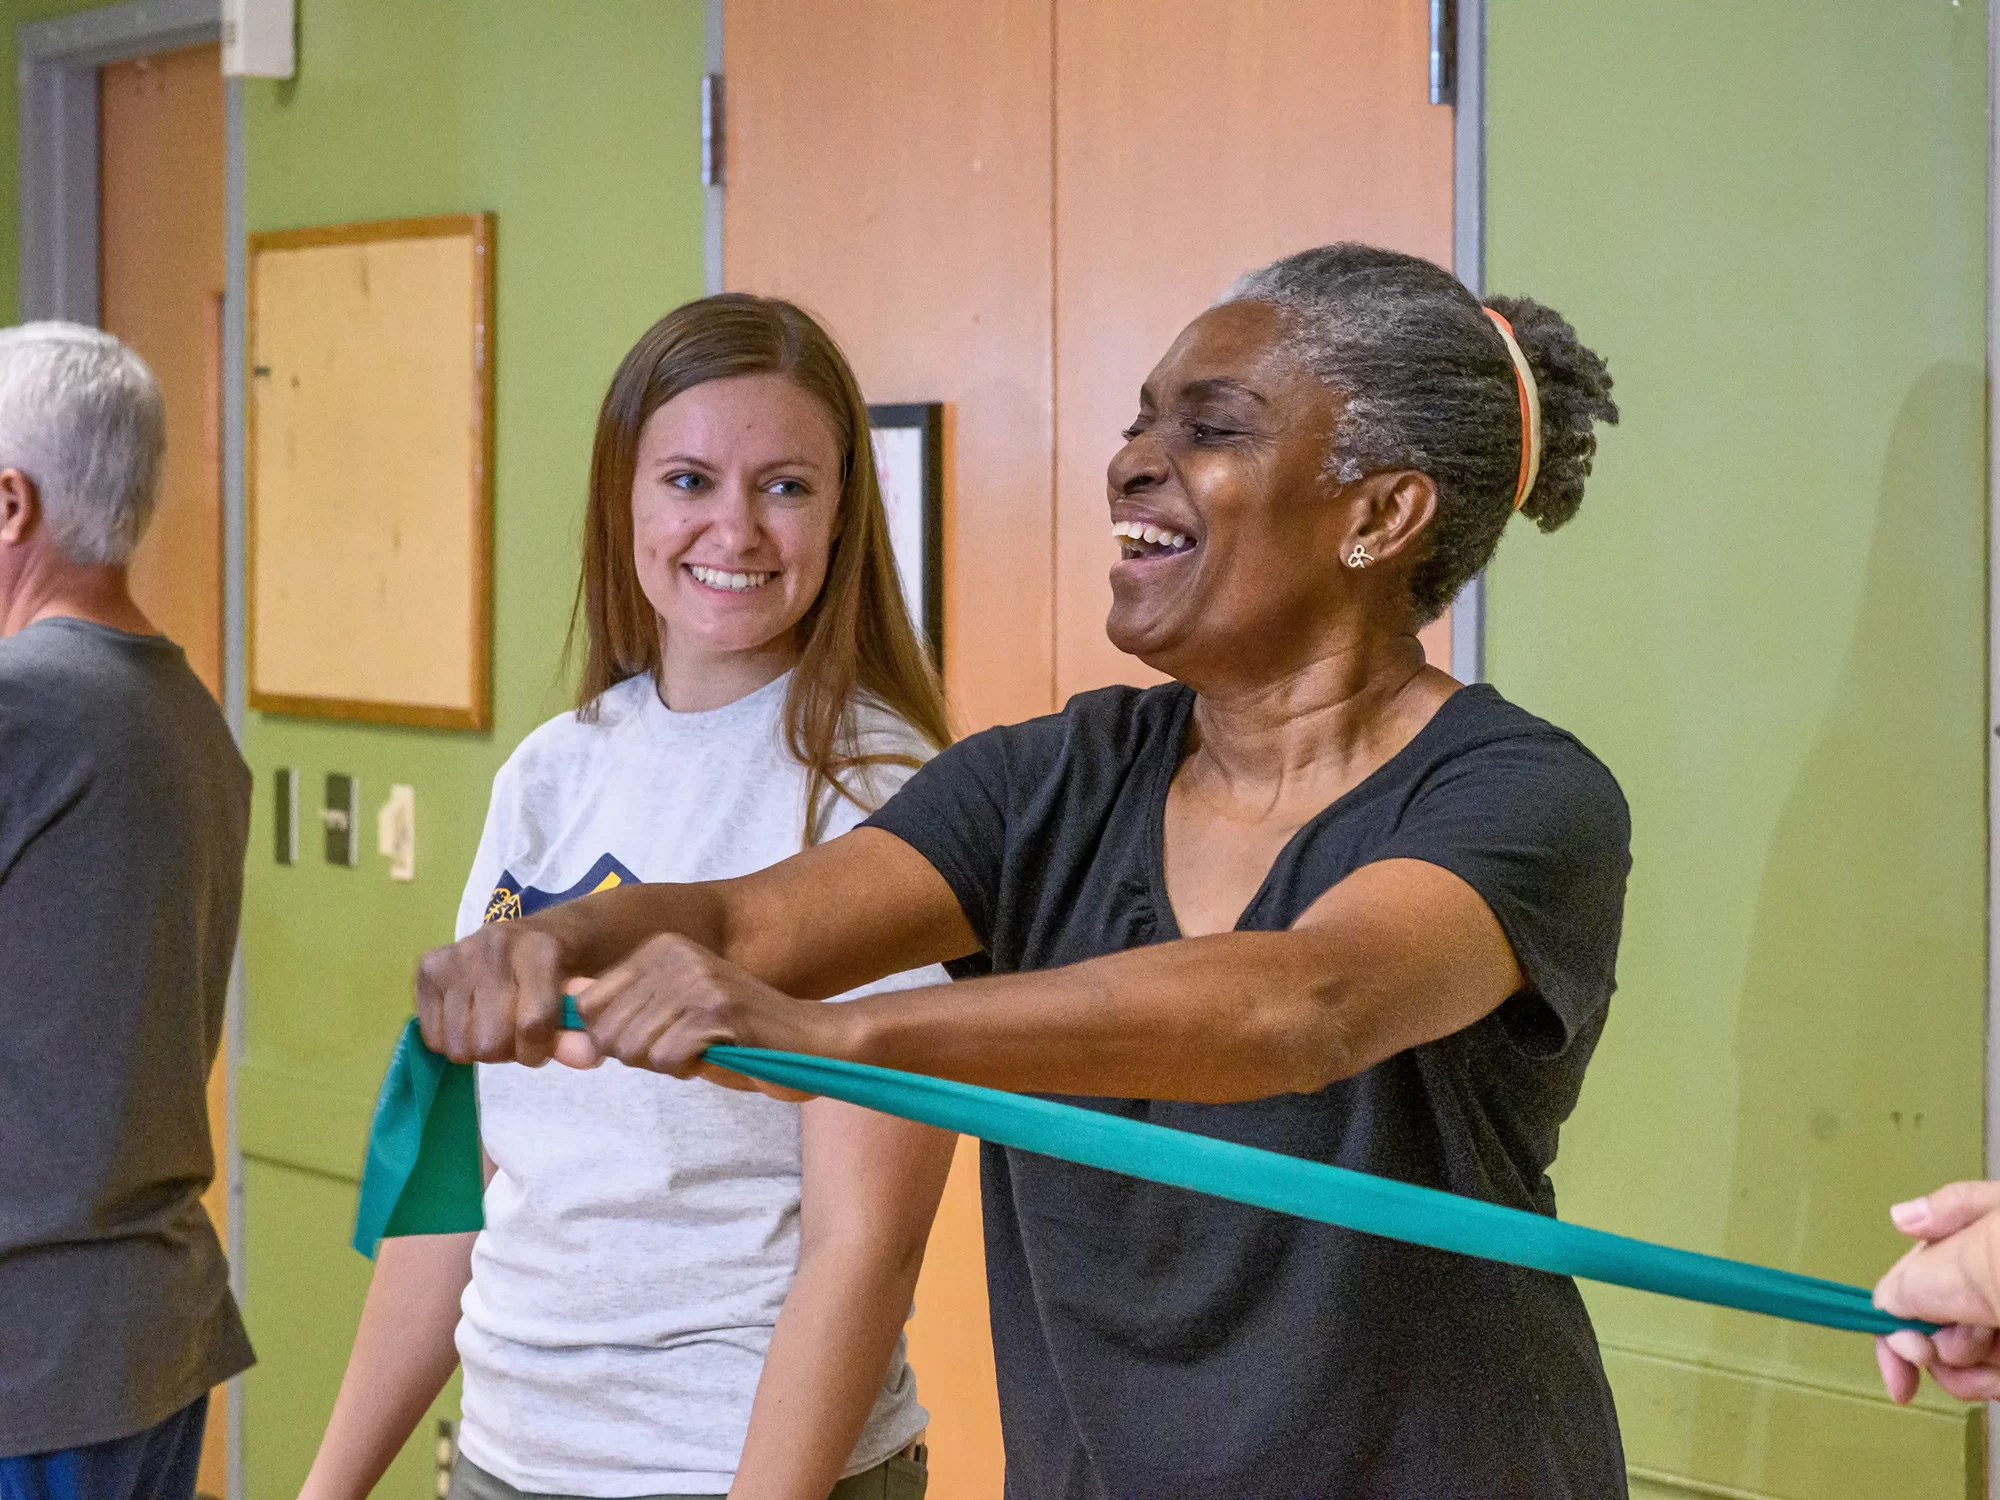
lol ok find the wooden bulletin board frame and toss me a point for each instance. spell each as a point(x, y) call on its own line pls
point(474, 711)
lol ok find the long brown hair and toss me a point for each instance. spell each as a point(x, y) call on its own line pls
point(856, 635)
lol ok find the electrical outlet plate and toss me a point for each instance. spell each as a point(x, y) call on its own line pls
point(342, 817)
point(447, 1455)
point(396, 832)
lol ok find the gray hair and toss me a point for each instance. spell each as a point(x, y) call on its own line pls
point(1426, 383)
point(81, 415)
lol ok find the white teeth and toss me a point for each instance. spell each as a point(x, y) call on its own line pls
point(717, 578)
point(1157, 536)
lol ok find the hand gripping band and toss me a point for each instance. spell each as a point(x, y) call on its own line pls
point(1531, 410)
point(422, 1176)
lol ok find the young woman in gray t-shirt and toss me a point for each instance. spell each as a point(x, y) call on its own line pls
point(686, 1292)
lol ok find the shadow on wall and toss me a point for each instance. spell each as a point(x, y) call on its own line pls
point(1859, 1038)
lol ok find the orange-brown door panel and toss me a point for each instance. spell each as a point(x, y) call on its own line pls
point(1196, 139)
point(161, 271)
point(161, 144)
point(889, 168)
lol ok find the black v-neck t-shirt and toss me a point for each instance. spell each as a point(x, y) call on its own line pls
point(1158, 1344)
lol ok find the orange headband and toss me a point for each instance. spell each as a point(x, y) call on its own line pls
point(1531, 410)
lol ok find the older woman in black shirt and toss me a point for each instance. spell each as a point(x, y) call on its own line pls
point(1314, 895)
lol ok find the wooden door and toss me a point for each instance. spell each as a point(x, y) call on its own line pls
point(1012, 206)
point(889, 168)
point(161, 139)
point(1196, 139)
point(161, 142)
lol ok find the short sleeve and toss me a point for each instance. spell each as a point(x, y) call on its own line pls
point(954, 813)
point(1539, 828)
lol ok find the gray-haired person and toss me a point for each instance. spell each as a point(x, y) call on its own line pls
point(124, 808)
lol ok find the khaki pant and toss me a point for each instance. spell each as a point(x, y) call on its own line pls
point(897, 1478)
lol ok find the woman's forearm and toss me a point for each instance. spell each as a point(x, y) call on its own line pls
point(828, 1356)
point(1398, 955)
point(868, 1190)
point(1238, 1016)
point(838, 916)
point(599, 930)
point(404, 1352)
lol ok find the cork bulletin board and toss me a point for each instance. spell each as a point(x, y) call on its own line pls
point(369, 481)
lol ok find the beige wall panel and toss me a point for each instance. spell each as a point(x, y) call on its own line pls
point(1198, 138)
point(160, 133)
point(161, 273)
point(889, 168)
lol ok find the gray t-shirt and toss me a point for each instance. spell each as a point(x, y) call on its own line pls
point(124, 807)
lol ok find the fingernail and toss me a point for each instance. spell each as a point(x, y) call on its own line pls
point(1905, 1214)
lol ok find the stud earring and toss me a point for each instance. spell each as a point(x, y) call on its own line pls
point(1360, 557)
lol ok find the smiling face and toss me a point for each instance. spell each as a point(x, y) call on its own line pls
point(1229, 531)
point(735, 497)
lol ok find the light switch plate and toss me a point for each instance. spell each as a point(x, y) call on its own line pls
point(342, 815)
point(285, 814)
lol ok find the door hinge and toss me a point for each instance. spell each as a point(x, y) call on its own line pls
point(1444, 51)
point(711, 130)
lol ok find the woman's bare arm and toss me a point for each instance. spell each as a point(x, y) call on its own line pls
point(404, 1352)
point(1400, 953)
point(871, 1189)
point(823, 922)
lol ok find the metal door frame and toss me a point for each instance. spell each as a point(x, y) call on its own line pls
point(1468, 264)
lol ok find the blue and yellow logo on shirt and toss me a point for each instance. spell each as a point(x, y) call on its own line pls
point(511, 899)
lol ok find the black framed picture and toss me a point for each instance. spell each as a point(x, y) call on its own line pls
point(909, 455)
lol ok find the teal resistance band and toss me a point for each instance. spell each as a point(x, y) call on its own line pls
point(422, 1177)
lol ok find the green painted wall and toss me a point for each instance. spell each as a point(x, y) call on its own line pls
point(1770, 621)
point(577, 126)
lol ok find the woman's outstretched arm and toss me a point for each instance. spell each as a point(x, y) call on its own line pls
point(837, 916)
point(1398, 954)
point(871, 1189)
